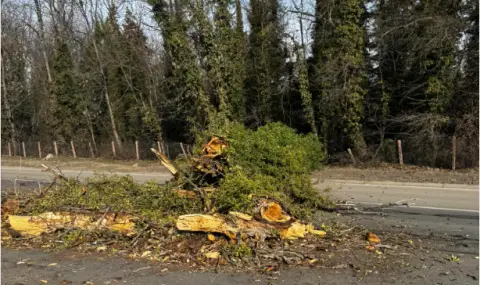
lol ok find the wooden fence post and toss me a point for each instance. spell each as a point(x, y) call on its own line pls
point(113, 149)
point(23, 148)
point(400, 153)
point(55, 148)
point(136, 150)
point(159, 147)
point(39, 150)
point(73, 149)
point(91, 150)
point(454, 152)
point(9, 149)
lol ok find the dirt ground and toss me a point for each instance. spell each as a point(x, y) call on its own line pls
point(386, 172)
point(399, 174)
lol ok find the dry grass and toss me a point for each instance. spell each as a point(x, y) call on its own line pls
point(395, 173)
point(87, 164)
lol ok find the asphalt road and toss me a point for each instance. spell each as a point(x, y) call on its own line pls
point(420, 197)
point(444, 216)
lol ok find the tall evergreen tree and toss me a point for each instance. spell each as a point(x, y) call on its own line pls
point(265, 64)
point(67, 105)
point(184, 80)
point(338, 73)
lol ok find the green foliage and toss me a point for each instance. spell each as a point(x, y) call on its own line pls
point(265, 63)
point(338, 49)
point(118, 194)
point(272, 161)
point(184, 82)
point(238, 250)
point(67, 105)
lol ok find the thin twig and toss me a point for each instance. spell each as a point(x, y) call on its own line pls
point(134, 241)
point(141, 268)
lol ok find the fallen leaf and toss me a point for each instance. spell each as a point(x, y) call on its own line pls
point(65, 282)
point(52, 264)
point(211, 237)
point(454, 258)
point(20, 262)
point(213, 254)
point(373, 238)
point(319, 233)
point(269, 268)
point(165, 269)
point(146, 253)
point(44, 281)
point(311, 261)
point(370, 248)
point(102, 248)
point(165, 258)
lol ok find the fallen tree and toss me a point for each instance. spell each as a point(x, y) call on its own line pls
point(242, 184)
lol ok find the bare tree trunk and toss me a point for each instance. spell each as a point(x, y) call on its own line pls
point(116, 136)
point(112, 118)
point(239, 20)
point(301, 34)
point(42, 38)
point(90, 127)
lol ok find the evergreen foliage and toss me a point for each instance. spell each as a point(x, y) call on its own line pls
point(369, 72)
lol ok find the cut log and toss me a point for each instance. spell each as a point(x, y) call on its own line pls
point(49, 222)
point(206, 223)
point(271, 212)
point(242, 225)
point(241, 216)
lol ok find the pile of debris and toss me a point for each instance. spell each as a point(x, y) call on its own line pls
point(199, 180)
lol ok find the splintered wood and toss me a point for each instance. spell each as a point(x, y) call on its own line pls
point(206, 223)
point(165, 162)
point(244, 226)
point(50, 221)
point(214, 147)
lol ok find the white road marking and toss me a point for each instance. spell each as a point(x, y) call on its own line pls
point(405, 186)
point(414, 207)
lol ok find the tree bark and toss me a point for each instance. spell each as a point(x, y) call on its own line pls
point(9, 111)
point(105, 86)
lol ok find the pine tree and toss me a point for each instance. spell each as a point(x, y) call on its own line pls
point(67, 106)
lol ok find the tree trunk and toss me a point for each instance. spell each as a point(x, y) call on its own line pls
point(42, 36)
point(9, 112)
point(107, 99)
point(239, 20)
point(90, 127)
point(105, 86)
